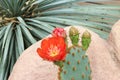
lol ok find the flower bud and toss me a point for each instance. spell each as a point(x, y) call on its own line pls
point(86, 39)
point(59, 32)
point(74, 35)
point(86, 34)
point(73, 31)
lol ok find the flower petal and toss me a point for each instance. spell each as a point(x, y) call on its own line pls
point(45, 50)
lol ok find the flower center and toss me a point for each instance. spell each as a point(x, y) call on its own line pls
point(53, 50)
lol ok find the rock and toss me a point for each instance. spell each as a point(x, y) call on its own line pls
point(30, 66)
point(114, 39)
point(104, 57)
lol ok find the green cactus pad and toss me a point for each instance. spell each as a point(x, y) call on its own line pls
point(74, 35)
point(86, 39)
point(75, 39)
point(86, 42)
point(76, 65)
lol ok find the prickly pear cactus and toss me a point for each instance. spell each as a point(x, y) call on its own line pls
point(86, 39)
point(76, 65)
point(74, 35)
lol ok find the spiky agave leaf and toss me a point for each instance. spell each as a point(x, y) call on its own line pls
point(23, 22)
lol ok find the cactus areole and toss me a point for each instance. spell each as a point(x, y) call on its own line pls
point(73, 62)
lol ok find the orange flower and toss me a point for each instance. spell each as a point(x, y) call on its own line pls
point(52, 49)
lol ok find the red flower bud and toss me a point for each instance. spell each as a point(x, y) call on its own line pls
point(59, 32)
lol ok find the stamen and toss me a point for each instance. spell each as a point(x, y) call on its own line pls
point(53, 50)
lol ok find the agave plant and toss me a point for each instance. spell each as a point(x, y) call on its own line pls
point(23, 22)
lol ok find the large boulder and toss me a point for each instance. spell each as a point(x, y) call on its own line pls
point(104, 57)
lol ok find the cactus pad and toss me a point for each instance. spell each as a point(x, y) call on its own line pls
point(76, 65)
